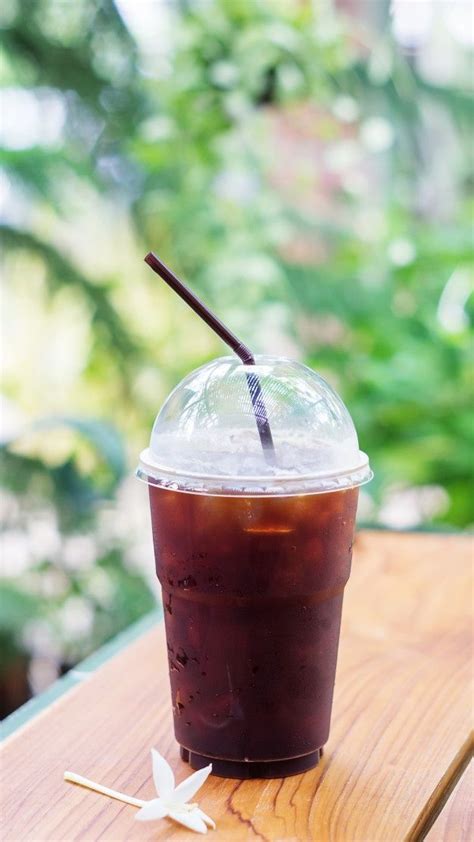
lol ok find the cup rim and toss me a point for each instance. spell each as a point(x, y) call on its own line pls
point(153, 473)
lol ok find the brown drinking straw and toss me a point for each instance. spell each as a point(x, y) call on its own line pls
point(232, 340)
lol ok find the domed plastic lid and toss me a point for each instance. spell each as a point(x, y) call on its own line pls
point(205, 438)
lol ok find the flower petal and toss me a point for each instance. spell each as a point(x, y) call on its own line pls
point(162, 775)
point(186, 789)
point(152, 810)
point(206, 819)
point(189, 818)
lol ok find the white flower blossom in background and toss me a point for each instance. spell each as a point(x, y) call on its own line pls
point(79, 552)
point(401, 252)
point(76, 617)
point(171, 802)
point(377, 134)
point(345, 108)
point(407, 508)
point(413, 22)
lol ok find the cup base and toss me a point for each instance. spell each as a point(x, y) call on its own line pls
point(244, 770)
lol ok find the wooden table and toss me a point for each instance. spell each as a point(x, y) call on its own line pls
point(394, 767)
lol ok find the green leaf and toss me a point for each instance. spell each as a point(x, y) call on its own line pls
point(61, 272)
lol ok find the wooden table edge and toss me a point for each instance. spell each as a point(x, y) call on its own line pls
point(455, 822)
point(440, 795)
point(34, 708)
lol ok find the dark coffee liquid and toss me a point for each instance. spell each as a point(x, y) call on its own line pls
point(252, 593)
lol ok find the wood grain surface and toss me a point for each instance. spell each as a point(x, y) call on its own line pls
point(399, 738)
point(455, 823)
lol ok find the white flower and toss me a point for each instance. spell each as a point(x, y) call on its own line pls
point(377, 134)
point(172, 800)
point(401, 251)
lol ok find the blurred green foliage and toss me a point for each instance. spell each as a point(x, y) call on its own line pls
point(306, 175)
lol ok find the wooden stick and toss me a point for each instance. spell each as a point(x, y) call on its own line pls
point(104, 790)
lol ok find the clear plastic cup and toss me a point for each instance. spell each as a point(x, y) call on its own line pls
point(253, 556)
